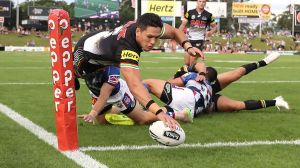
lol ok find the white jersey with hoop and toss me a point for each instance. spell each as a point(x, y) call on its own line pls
point(122, 98)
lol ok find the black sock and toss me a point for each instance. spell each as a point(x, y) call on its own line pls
point(252, 66)
point(258, 104)
point(262, 63)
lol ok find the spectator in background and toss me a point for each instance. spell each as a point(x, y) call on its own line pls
point(281, 45)
point(31, 43)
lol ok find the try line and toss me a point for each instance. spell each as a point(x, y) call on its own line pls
point(197, 145)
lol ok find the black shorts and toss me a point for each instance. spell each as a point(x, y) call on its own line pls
point(198, 44)
point(216, 87)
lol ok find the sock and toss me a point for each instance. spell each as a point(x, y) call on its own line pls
point(258, 104)
point(252, 66)
point(262, 63)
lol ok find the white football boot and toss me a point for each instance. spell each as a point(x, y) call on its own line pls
point(281, 103)
point(271, 57)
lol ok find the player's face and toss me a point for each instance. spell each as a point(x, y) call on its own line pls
point(147, 38)
point(201, 4)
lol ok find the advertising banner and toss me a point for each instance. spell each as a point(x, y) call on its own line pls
point(297, 18)
point(5, 8)
point(218, 9)
point(162, 8)
point(251, 9)
point(97, 8)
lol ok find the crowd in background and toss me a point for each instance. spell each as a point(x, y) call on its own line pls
point(230, 46)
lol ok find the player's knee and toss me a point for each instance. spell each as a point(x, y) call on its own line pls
point(234, 106)
point(238, 73)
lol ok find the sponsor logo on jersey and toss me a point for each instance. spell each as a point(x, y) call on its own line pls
point(193, 16)
point(127, 54)
point(172, 135)
point(198, 23)
point(113, 79)
point(126, 100)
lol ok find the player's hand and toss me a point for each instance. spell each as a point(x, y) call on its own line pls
point(172, 123)
point(88, 118)
point(200, 78)
point(195, 52)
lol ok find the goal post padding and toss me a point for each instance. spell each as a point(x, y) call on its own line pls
point(63, 79)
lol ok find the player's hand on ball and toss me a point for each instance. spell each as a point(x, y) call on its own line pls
point(172, 123)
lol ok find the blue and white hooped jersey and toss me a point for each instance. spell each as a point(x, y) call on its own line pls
point(202, 91)
point(110, 75)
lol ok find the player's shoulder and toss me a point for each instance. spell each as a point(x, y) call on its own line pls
point(207, 13)
point(192, 11)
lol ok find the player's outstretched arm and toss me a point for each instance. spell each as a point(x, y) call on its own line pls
point(105, 91)
point(134, 82)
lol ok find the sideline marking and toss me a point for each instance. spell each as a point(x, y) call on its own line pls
point(197, 145)
point(77, 156)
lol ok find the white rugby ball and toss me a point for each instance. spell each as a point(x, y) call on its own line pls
point(162, 134)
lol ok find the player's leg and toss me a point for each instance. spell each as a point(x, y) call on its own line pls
point(226, 104)
point(141, 117)
point(178, 100)
point(227, 78)
point(155, 86)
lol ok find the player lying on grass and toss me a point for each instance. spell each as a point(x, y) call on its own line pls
point(224, 104)
point(194, 94)
point(113, 91)
point(107, 89)
point(175, 97)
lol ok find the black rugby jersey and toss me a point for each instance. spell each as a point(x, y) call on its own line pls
point(198, 23)
point(110, 48)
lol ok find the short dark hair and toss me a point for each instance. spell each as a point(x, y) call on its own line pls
point(149, 19)
point(211, 74)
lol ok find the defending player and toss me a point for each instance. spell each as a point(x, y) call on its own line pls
point(225, 104)
point(110, 93)
point(194, 92)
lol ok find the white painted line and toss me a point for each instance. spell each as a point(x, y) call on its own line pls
point(77, 156)
point(232, 61)
point(240, 82)
point(197, 145)
point(26, 83)
point(23, 68)
point(268, 82)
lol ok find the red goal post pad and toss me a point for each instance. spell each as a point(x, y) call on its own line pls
point(63, 79)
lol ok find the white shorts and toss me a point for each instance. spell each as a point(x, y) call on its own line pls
point(123, 99)
point(182, 97)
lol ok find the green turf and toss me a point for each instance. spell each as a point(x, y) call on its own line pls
point(19, 148)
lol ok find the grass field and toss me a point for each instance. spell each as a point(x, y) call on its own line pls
point(25, 87)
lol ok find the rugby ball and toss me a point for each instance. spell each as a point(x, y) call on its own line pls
point(161, 133)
